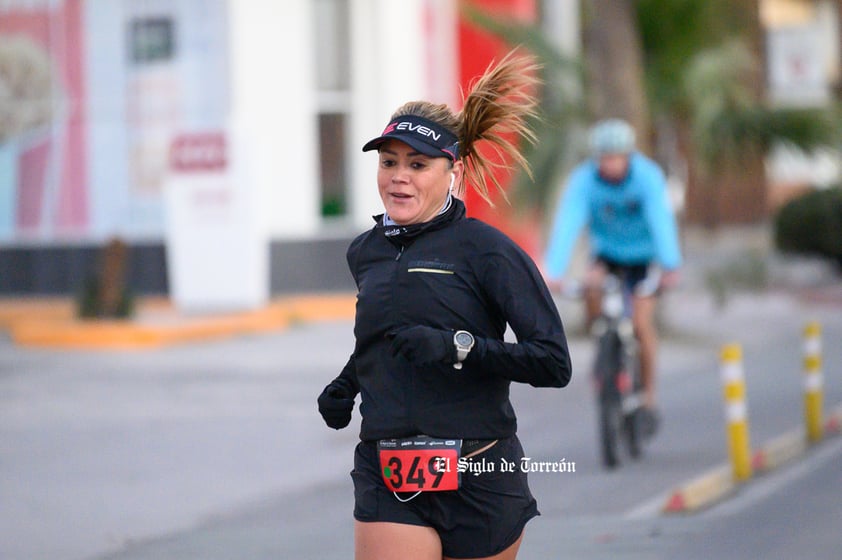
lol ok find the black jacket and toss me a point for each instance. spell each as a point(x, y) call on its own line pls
point(452, 273)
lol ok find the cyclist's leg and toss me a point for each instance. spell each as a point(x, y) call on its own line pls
point(594, 279)
point(395, 541)
point(644, 325)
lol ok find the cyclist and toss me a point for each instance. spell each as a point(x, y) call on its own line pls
point(621, 196)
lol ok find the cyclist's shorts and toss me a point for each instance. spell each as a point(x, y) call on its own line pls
point(633, 274)
point(483, 518)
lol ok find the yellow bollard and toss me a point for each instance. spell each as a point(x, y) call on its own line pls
point(736, 412)
point(813, 381)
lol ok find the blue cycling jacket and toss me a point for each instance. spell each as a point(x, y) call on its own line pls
point(630, 222)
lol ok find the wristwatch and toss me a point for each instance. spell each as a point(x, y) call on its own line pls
point(464, 341)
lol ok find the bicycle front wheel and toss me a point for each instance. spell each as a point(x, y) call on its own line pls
point(610, 424)
point(633, 432)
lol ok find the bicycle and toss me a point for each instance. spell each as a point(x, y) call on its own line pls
point(616, 369)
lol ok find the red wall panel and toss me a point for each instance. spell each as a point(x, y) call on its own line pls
point(478, 49)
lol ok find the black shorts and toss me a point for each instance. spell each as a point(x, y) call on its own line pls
point(483, 518)
point(632, 274)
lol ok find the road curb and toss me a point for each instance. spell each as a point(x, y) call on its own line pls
point(50, 323)
point(718, 483)
point(701, 492)
point(780, 451)
point(833, 425)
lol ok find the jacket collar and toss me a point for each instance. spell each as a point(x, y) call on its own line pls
point(455, 211)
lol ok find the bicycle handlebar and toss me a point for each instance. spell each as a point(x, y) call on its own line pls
point(651, 285)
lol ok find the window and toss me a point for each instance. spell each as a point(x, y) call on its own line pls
point(332, 38)
point(332, 166)
point(152, 40)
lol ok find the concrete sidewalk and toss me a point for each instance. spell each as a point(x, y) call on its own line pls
point(51, 322)
point(723, 263)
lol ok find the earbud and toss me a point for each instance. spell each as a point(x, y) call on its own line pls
point(452, 180)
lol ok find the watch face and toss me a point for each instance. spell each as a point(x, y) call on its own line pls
point(464, 339)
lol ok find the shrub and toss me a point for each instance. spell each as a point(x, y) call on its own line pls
point(812, 224)
point(105, 293)
point(90, 304)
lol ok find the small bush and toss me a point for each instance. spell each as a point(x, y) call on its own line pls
point(747, 272)
point(812, 224)
point(105, 293)
point(89, 303)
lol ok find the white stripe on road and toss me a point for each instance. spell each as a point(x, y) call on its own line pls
point(770, 483)
point(752, 491)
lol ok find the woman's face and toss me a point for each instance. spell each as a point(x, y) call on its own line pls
point(413, 186)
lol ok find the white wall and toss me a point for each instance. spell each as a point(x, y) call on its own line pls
point(561, 21)
point(108, 150)
point(133, 110)
point(274, 112)
point(273, 96)
point(392, 64)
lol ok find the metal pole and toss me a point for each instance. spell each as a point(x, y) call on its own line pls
point(736, 413)
point(813, 381)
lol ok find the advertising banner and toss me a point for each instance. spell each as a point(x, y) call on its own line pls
point(217, 253)
point(91, 93)
point(42, 119)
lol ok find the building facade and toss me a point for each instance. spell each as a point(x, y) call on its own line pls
point(109, 97)
point(220, 137)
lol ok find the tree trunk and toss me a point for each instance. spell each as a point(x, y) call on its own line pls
point(731, 195)
point(735, 194)
point(614, 61)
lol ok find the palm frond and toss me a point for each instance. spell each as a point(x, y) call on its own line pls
point(728, 121)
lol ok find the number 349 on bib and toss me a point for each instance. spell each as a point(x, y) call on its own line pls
point(416, 469)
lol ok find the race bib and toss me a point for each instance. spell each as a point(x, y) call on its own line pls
point(420, 464)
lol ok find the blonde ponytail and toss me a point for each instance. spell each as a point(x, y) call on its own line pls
point(494, 112)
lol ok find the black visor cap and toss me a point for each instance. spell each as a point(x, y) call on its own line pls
point(424, 136)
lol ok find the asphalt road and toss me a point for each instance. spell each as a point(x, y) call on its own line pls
point(216, 451)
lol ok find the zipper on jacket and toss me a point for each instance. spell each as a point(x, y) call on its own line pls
point(409, 388)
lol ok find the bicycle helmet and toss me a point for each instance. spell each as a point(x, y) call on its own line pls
point(611, 136)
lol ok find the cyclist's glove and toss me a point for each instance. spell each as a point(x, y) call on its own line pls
point(335, 404)
point(421, 345)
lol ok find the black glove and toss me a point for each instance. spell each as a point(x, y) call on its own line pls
point(335, 405)
point(423, 345)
